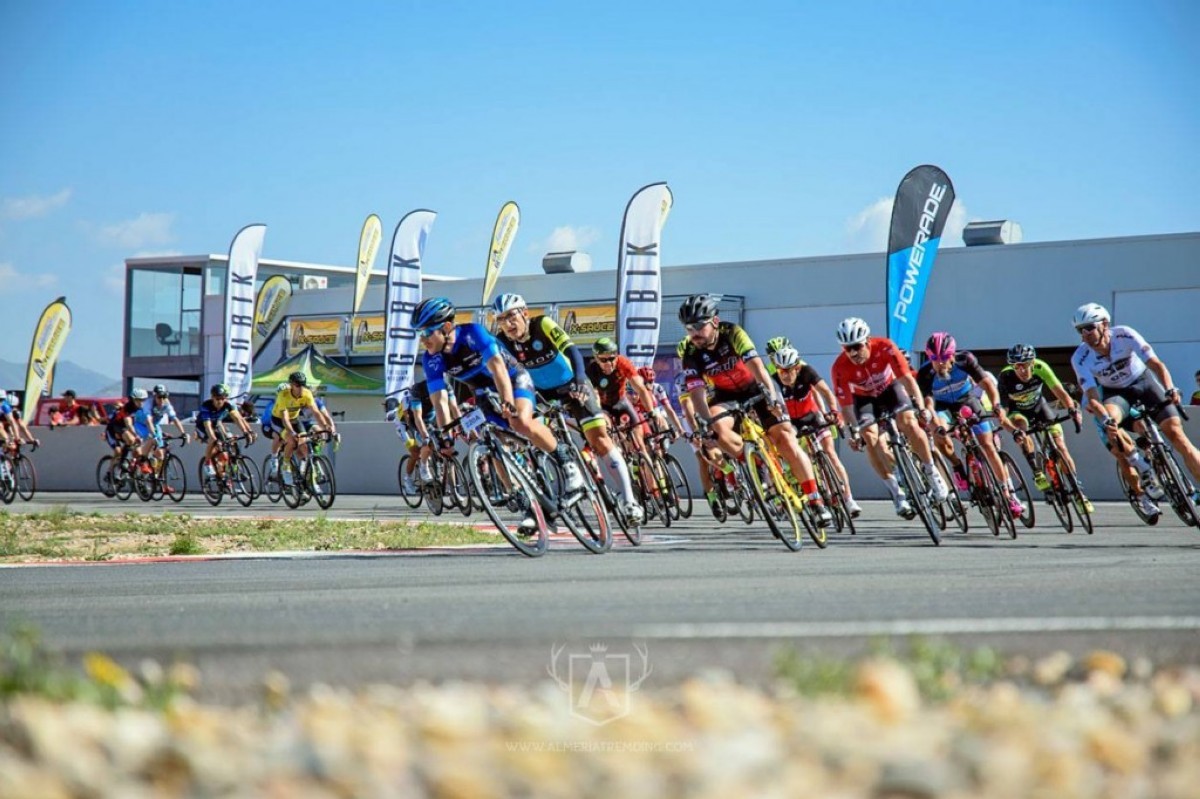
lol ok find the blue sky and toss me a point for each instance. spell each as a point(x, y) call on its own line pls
point(783, 128)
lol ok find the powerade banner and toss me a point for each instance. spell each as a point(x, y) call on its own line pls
point(244, 253)
point(368, 248)
point(403, 295)
point(918, 217)
point(639, 280)
point(270, 307)
point(503, 235)
point(48, 338)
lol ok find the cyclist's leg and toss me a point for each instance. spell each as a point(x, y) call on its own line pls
point(727, 438)
point(1171, 425)
point(595, 430)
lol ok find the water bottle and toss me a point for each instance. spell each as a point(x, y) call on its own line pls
point(272, 464)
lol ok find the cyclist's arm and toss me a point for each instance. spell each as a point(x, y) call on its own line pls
point(441, 407)
point(700, 402)
point(1160, 371)
point(645, 397)
point(826, 395)
point(918, 397)
point(1094, 405)
point(500, 377)
point(1063, 397)
point(674, 417)
point(993, 394)
point(236, 416)
point(755, 365)
point(327, 417)
point(22, 426)
point(286, 417)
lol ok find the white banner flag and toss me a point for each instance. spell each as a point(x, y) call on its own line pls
point(639, 282)
point(403, 295)
point(244, 253)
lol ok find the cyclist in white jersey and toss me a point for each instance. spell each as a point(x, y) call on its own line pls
point(1117, 367)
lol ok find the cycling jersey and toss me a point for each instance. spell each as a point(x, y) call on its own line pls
point(144, 423)
point(661, 400)
point(884, 366)
point(957, 385)
point(801, 396)
point(7, 411)
point(467, 360)
point(116, 424)
point(209, 412)
point(288, 404)
point(725, 365)
point(543, 353)
point(1025, 394)
point(1124, 364)
point(160, 413)
point(611, 387)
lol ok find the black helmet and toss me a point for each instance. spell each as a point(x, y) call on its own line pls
point(1021, 353)
point(160, 391)
point(698, 308)
point(604, 346)
point(298, 378)
point(220, 390)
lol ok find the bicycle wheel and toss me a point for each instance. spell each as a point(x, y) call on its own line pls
point(680, 486)
point(1020, 489)
point(320, 482)
point(664, 490)
point(776, 509)
point(472, 500)
point(456, 486)
point(291, 483)
point(174, 478)
point(411, 498)
point(829, 486)
point(1056, 495)
point(506, 501)
point(26, 477)
point(122, 480)
point(918, 492)
point(1132, 499)
point(431, 489)
point(1175, 484)
point(272, 483)
point(243, 475)
point(8, 483)
point(104, 476)
point(587, 521)
point(953, 504)
point(632, 532)
point(210, 485)
point(143, 483)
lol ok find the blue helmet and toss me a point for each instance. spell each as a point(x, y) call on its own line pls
point(432, 312)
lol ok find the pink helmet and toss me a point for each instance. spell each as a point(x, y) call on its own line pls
point(646, 374)
point(940, 347)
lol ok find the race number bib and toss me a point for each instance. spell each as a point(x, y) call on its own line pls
point(473, 421)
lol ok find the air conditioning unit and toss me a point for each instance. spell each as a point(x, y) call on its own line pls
point(1001, 231)
point(312, 282)
point(558, 263)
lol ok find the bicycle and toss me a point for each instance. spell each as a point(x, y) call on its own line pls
point(18, 477)
point(677, 490)
point(167, 479)
point(645, 474)
point(1064, 494)
point(508, 485)
point(312, 475)
point(448, 485)
point(735, 498)
point(984, 486)
point(114, 475)
point(760, 466)
point(912, 478)
point(239, 475)
point(1173, 480)
point(829, 481)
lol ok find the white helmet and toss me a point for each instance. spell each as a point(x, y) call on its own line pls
point(282, 387)
point(507, 302)
point(14, 399)
point(786, 358)
point(138, 394)
point(1090, 314)
point(853, 331)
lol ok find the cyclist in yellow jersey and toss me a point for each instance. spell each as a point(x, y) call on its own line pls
point(285, 417)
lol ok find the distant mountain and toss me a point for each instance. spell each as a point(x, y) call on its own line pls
point(68, 375)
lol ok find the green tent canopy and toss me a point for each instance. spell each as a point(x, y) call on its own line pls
point(321, 371)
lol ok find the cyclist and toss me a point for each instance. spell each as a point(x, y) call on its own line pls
point(724, 354)
point(612, 375)
point(210, 427)
point(412, 426)
point(119, 433)
point(950, 380)
point(470, 354)
point(705, 455)
point(270, 432)
point(662, 412)
point(871, 377)
point(11, 423)
point(285, 417)
point(1021, 387)
point(774, 345)
point(1117, 367)
point(158, 409)
point(556, 367)
point(809, 400)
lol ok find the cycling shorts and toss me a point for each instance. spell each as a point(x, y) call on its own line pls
point(587, 412)
point(1040, 411)
point(947, 411)
point(811, 419)
point(893, 399)
point(724, 401)
point(1145, 389)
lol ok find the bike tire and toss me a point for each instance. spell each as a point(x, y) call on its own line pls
point(918, 493)
point(472, 500)
point(681, 486)
point(122, 480)
point(143, 484)
point(26, 477)
point(292, 493)
point(502, 504)
point(431, 489)
point(174, 477)
point(983, 492)
point(1175, 484)
point(104, 476)
point(826, 488)
point(245, 480)
point(320, 481)
point(1131, 498)
point(457, 486)
point(8, 485)
point(1021, 488)
point(776, 508)
point(412, 499)
point(1056, 495)
point(954, 503)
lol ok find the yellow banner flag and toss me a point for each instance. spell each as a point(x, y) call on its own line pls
point(270, 307)
point(368, 248)
point(503, 235)
point(48, 339)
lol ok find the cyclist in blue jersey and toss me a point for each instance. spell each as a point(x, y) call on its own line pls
point(557, 369)
point(210, 419)
point(470, 354)
point(158, 410)
point(11, 424)
point(948, 382)
point(413, 417)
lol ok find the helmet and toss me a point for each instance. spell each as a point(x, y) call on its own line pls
point(940, 347)
point(776, 344)
point(785, 358)
point(852, 331)
point(282, 387)
point(432, 312)
point(220, 390)
point(646, 373)
point(14, 399)
point(1021, 353)
point(391, 403)
point(298, 379)
point(604, 346)
point(70, 392)
point(698, 308)
point(680, 347)
point(160, 391)
point(1090, 314)
point(507, 302)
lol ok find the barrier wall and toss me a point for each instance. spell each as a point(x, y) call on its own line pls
point(366, 461)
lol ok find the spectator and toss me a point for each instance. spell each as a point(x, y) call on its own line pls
point(68, 409)
point(1196, 393)
point(87, 415)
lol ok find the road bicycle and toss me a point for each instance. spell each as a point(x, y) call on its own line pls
point(311, 475)
point(1175, 482)
point(676, 486)
point(985, 488)
point(114, 474)
point(912, 478)
point(647, 475)
point(830, 484)
point(18, 477)
point(164, 477)
point(1063, 495)
point(229, 473)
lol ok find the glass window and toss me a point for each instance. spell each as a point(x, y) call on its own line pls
point(164, 313)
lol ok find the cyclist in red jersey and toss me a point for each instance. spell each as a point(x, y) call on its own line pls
point(612, 375)
point(723, 354)
point(662, 412)
point(871, 377)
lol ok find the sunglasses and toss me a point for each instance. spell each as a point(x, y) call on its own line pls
point(1086, 328)
point(610, 359)
point(505, 317)
point(853, 347)
point(698, 326)
point(429, 331)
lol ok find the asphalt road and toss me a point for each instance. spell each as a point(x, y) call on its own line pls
point(693, 597)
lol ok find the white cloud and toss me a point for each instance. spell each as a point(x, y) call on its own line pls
point(567, 239)
point(143, 231)
point(867, 231)
point(12, 280)
point(30, 207)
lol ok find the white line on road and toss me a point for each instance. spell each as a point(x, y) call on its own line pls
point(853, 629)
